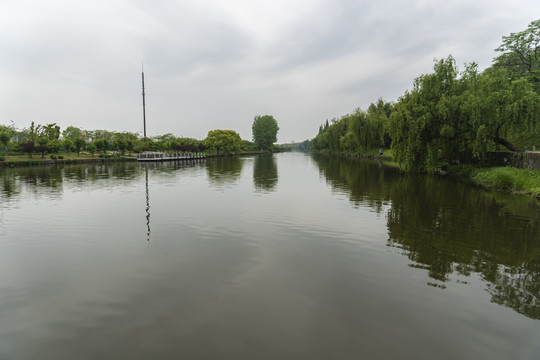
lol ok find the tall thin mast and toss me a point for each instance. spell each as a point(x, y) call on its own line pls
point(143, 104)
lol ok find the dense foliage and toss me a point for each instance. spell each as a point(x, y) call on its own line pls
point(224, 141)
point(50, 139)
point(456, 117)
point(265, 129)
point(450, 115)
point(356, 132)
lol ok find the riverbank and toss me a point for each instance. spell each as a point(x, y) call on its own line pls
point(505, 178)
point(37, 160)
point(524, 181)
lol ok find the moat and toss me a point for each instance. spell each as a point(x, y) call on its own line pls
point(285, 256)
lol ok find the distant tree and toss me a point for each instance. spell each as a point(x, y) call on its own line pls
point(6, 134)
point(130, 145)
point(4, 139)
point(224, 141)
point(28, 148)
point(265, 129)
point(67, 144)
point(101, 145)
point(79, 145)
point(521, 54)
point(126, 135)
point(93, 135)
point(42, 147)
point(50, 131)
point(91, 148)
point(120, 145)
point(72, 133)
point(303, 146)
point(33, 132)
point(54, 145)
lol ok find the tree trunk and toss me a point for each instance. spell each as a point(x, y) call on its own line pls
point(506, 144)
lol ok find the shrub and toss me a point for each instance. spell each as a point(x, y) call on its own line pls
point(53, 157)
point(503, 179)
point(61, 157)
point(2, 158)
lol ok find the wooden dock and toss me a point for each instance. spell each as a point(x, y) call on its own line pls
point(160, 156)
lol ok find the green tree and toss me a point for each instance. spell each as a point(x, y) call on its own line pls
point(498, 107)
point(120, 145)
point(357, 132)
point(79, 145)
point(450, 116)
point(6, 134)
point(50, 131)
point(427, 125)
point(265, 129)
point(33, 132)
point(72, 133)
point(54, 145)
point(101, 145)
point(4, 138)
point(91, 148)
point(42, 147)
point(521, 54)
point(67, 144)
point(224, 141)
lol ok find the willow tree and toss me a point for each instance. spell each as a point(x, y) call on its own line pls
point(357, 132)
point(450, 116)
point(224, 141)
point(426, 124)
point(500, 107)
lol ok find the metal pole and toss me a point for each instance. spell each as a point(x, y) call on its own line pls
point(143, 105)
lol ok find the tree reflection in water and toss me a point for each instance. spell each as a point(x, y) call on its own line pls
point(265, 173)
point(224, 170)
point(449, 227)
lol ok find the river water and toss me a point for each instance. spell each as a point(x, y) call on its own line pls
point(290, 256)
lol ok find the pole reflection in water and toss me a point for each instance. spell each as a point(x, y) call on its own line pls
point(147, 208)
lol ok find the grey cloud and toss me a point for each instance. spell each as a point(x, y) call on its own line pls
point(206, 70)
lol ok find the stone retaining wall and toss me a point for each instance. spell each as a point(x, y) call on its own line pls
point(531, 160)
point(526, 160)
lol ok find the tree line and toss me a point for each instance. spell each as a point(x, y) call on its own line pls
point(451, 115)
point(49, 138)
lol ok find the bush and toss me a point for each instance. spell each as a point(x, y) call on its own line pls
point(507, 178)
point(53, 157)
point(60, 157)
point(2, 158)
point(502, 178)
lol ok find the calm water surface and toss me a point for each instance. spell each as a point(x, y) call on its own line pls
point(290, 256)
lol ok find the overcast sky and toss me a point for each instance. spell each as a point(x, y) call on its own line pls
point(215, 64)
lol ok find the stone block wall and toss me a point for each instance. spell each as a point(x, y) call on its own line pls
point(531, 160)
point(526, 160)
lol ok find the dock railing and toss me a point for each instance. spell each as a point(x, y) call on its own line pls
point(160, 156)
